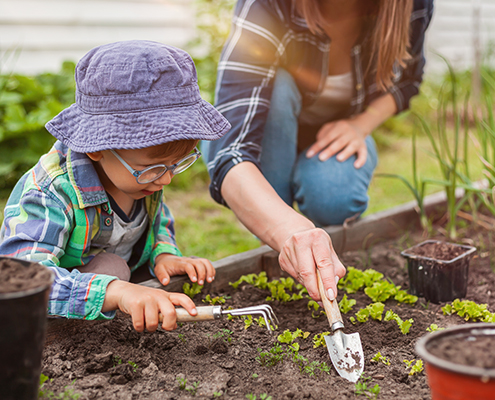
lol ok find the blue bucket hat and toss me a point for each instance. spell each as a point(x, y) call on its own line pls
point(136, 94)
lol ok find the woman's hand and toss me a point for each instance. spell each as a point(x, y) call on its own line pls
point(144, 304)
point(306, 251)
point(198, 269)
point(344, 137)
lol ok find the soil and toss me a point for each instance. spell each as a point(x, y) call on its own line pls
point(438, 251)
point(17, 277)
point(219, 359)
point(475, 351)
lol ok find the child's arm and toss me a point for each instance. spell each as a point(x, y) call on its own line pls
point(37, 228)
point(144, 304)
point(198, 269)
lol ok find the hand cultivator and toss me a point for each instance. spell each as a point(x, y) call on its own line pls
point(209, 313)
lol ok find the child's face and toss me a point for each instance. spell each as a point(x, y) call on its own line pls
point(115, 176)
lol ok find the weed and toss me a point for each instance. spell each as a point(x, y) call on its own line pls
point(254, 376)
point(133, 365)
point(182, 382)
point(182, 337)
point(192, 290)
point(117, 360)
point(67, 394)
point(315, 366)
point(361, 388)
point(217, 394)
point(193, 389)
point(379, 358)
point(225, 334)
point(271, 357)
point(415, 366)
point(263, 396)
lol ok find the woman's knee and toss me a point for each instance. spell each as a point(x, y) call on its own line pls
point(329, 192)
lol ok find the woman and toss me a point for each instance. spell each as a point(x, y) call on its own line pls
point(304, 83)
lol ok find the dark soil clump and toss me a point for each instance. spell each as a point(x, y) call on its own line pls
point(229, 359)
point(16, 276)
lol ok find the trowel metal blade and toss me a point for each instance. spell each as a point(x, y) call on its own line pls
point(346, 353)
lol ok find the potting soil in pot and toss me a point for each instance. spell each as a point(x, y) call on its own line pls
point(232, 359)
point(476, 351)
point(16, 277)
point(438, 251)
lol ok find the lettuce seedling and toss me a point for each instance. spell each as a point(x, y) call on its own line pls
point(345, 305)
point(433, 328)
point(214, 300)
point(469, 310)
point(381, 291)
point(403, 297)
point(379, 358)
point(403, 325)
point(259, 281)
point(192, 290)
point(415, 368)
point(288, 337)
point(373, 310)
point(314, 306)
point(319, 339)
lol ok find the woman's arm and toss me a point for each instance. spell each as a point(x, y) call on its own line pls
point(302, 247)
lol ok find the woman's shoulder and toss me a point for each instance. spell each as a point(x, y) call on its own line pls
point(419, 5)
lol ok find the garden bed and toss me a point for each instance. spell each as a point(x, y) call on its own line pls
point(220, 359)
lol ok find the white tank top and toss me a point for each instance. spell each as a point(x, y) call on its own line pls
point(334, 99)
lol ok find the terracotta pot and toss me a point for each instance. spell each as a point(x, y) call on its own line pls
point(23, 317)
point(453, 381)
point(438, 280)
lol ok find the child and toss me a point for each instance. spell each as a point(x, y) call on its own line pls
point(91, 209)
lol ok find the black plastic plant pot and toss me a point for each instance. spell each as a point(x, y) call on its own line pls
point(459, 362)
point(438, 280)
point(23, 317)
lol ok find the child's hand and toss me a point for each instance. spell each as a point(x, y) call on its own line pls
point(198, 269)
point(143, 304)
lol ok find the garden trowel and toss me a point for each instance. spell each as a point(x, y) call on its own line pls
point(346, 350)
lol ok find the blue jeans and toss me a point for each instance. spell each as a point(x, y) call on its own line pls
point(327, 192)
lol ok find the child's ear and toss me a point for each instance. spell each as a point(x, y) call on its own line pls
point(96, 156)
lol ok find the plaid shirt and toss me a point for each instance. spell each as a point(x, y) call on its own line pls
point(268, 34)
point(52, 216)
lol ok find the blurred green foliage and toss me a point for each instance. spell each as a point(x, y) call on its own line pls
point(26, 104)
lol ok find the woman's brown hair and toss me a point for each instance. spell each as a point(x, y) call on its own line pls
point(389, 37)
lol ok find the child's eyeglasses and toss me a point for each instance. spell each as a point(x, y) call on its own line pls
point(154, 172)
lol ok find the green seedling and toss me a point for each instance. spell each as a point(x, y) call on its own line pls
point(192, 290)
point(288, 337)
point(182, 337)
point(345, 305)
point(319, 340)
point(433, 328)
point(361, 388)
point(314, 306)
point(404, 326)
point(117, 360)
point(214, 300)
point(403, 297)
point(263, 396)
point(259, 281)
point(469, 310)
point(217, 394)
point(182, 382)
point(193, 389)
point(355, 279)
point(225, 334)
point(381, 291)
point(271, 357)
point(133, 365)
point(373, 310)
point(312, 368)
point(248, 321)
point(254, 376)
point(379, 358)
point(415, 366)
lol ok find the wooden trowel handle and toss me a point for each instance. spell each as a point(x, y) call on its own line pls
point(331, 307)
point(205, 313)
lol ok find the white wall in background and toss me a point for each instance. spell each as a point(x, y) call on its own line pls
point(49, 31)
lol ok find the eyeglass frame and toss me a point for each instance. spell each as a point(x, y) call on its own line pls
point(196, 154)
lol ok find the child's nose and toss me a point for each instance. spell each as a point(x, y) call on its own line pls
point(165, 179)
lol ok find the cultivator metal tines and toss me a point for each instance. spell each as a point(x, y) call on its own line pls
point(208, 313)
